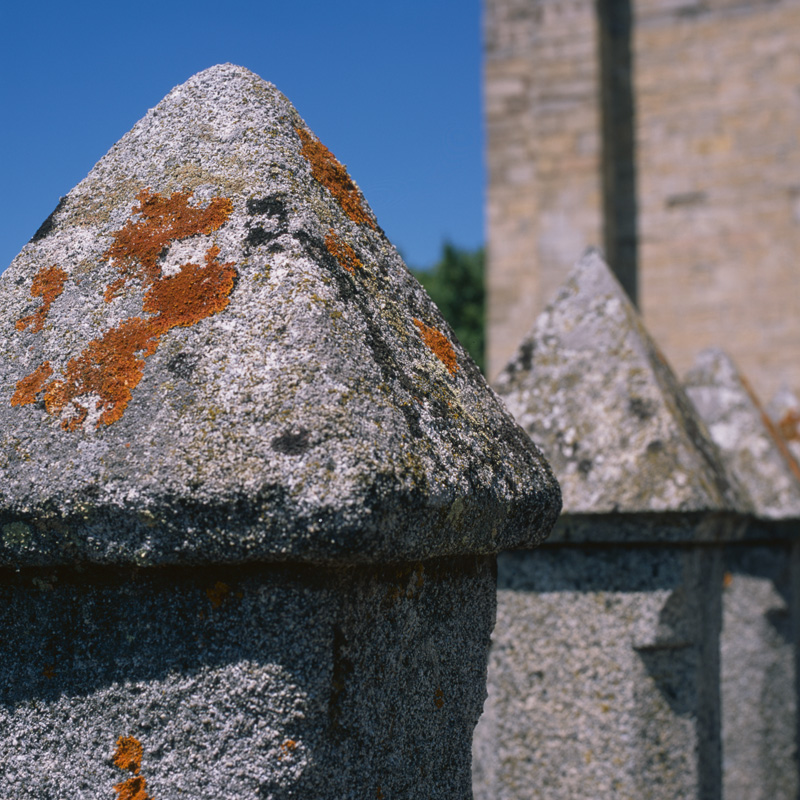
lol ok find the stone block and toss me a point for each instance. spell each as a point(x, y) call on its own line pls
point(761, 602)
point(617, 694)
point(251, 486)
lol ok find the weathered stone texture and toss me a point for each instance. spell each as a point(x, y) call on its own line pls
point(604, 668)
point(716, 158)
point(267, 682)
point(759, 650)
point(251, 487)
point(590, 387)
point(761, 601)
point(597, 660)
point(753, 449)
point(336, 427)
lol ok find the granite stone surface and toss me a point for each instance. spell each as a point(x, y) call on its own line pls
point(754, 450)
point(593, 391)
point(211, 352)
point(251, 487)
point(259, 683)
point(761, 602)
point(604, 668)
point(602, 675)
point(759, 651)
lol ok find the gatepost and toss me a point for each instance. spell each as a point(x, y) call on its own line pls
point(761, 600)
point(251, 486)
point(603, 672)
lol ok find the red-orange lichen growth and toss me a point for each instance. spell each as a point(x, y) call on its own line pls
point(439, 345)
point(111, 366)
point(789, 425)
point(161, 220)
point(287, 747)
point(727, 580)
point(774, 433)
point(438, 698)
point(48, 283)
point(29, 386)
point(333, 176)
point(128, 756)
point(342, 252)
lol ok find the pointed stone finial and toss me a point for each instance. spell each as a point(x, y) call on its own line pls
point(593, 391)
point(756, 452)
point(211, 352)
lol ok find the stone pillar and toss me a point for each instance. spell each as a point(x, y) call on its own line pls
point(762, 589)
point(251, 487)
point(604, 670)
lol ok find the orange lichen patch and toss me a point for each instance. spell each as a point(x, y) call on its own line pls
point(162, 220)
point(192, 294)
point(29, 386)
point(48, 283)
point(128, 754)
point(342, 252)
point(333, 176)
point(789, 426)
point(438, 698)
point(218, 593)
point(439, 345)
point(727, 580)
point(287, 747)
point(779, 441)
point(111, 366)
point(132, 789)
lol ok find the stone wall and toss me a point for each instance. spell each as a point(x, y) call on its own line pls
point(717, 201)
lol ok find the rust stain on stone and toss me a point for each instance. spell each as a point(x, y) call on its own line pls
point(48, 283)
point(439, 345)
point(128, 756)
point(111, 366)
point(333, 176)
point(342, 252)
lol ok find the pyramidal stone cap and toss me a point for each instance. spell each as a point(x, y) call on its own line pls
point(211, 352)
point(756, 452)
point(593, 391)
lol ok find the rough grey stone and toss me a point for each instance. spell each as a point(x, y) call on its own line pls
point(784, 410)
point(592, 390)
point(599, 676)
point(265, 682)
point(291, 394)
point(251, 487)
point(604, 668)
point(760, 609)
point(754, 451)
point(761, 601)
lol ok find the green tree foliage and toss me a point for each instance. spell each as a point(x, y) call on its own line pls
point(455, 283)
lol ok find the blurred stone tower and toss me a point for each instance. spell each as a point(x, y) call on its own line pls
point(667, 132)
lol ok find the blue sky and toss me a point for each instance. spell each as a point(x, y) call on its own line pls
point(393, 89)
